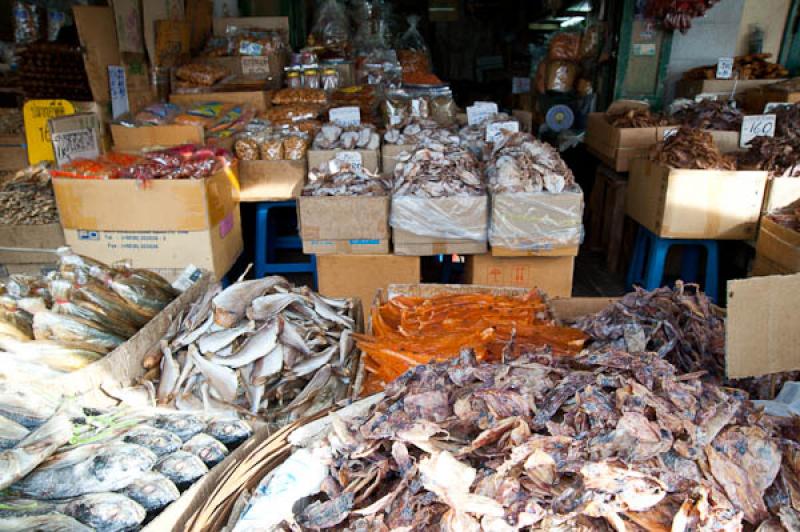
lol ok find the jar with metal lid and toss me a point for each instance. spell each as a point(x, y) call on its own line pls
point(330, 79)
point(311, 77)
point(293, 79)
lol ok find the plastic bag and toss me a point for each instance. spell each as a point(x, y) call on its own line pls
point(295, 146)
point(457, 217)
point(565, 47)
point(157, 114)
point(412, 51)
point(561, 75)
point(537, 220)
point(331, 30)
point(201, 74)
point(271, 148)
point(246, 147)
point(203, 115)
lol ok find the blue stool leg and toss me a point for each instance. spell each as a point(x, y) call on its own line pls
point(712, 270)
point(636, 269)
point(655, 263)
point(262, 212)
point(314, 271)
point(690, 263)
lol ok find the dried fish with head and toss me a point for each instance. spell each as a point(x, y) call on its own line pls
point(338, 178)
point(521, 163)
point(359, 137)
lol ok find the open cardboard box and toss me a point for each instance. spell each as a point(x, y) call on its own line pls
point(779, 244)
point(689, 88)
point(780, 192)
point(344, 225)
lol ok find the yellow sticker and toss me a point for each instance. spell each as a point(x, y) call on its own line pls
point(36, 113)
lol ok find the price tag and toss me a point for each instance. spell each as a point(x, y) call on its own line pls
point(480, 112)
point(774, 105)
point(494, 131)
point(72, 145)
point(725, 68)
point(669, 133)
point(118, 88)
point(36, 113)
point(520, 85)
point(353, 158)
point(756, 126)
point(417, 106)
point(345, 116)
point(255, 66)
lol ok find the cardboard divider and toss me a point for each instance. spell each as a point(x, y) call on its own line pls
point(139, 138)
point(271, 180)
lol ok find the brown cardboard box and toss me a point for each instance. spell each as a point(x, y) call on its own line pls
point(553, 275)
point(761, 332)
point(617, 147)
point(362, 275)
point(779, 244)
point(98, 40)
point(691, 88)
point(726, 141)
point(778, 95)
point(780, 192)
point(271, 180)
point(712, 204)
point(389, 156)
point(538, 221)
point(260, 100)
point(46, 236)
point(344, 225)
point(247, 69)
point(762, 266)
point(370, 159)
point(138, 138)
point(168, 224)
point(405, 243)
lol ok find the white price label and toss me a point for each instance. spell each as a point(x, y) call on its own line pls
point(669, 133)
point(118, 89)
point(255, 65)
point(756, 126)
point(417, 106)
point(71, 145)
point(353, 158)
point(520, 85)
point(771, 106)
point(725, 68)
point(494, 131)
point(345, 116)
point(480, 112)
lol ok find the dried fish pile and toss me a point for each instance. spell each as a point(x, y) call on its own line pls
point(691, 149)
point(407, 331)
point(521, 163)
point(331, 137)
point(780, 156)
point(337, 178)
point(261, 348)
point(421, 131)
point(787, 121)
point(603, 441)
point(709, 114)
point(74, 316)
point(635, 118)
point(473, 138)
point(751, 66)
point(433, 174)
point(96, 470)
point(27, 198)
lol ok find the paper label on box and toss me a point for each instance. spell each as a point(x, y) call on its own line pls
point(345, 116)
point(118, 88)
point(725, 68)
point(353, 158)
point(756, 126)
point(494, 131)
point(520, 85)
point(256, 65)
point(480, 111)
point(669, 132)
point(36, 114)
point(79, 144)
point(771, 106)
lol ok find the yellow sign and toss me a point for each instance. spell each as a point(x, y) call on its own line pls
point(36, 113)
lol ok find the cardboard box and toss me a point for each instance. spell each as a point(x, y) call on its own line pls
point(553, 275)
point(370, 159)
point(537, 221)
point(98, 38)
point(617, 147)
point(771, 94)
point(780, 192)
point(779, 244)
point(258, 99)
point(167, 224)
point(693, 87)
point(344, 225)
point(45, 236)
point(389, 156)
point(363, 275)
point(762, 266)
point(271, 180)
point(709, 204)
point(725, 141)
point(761, 332)
point(138, 138)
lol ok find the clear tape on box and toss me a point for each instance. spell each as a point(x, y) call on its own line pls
point(452, 218)
point(537, 220)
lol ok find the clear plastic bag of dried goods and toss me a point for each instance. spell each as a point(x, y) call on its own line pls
point(413, 53)
point(565, 46)
point(454, 217)
point(561, 76)
point(537, 220)
point(331, 30)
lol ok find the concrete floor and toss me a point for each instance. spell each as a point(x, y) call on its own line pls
point(592, 278)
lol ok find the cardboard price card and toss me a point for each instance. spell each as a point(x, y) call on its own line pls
point(494, 131)
point(479, 112)
point(756, 126)
point(725, 68)
point(72, 145)
point(35, 114)
point(345, 116)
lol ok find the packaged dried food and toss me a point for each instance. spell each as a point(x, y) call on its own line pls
point(292, 112)
point(564, 46)
point(331, 31)
point(295, 146)
point(233, 119)
point(157, 114)
point(203, 115)
point(561, 76)
point(246, 147)
point(270, 148)
point(412, 52)
point(443, 108)
point(304, 95)
point(201, 74)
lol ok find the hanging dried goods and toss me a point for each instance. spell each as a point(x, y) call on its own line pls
point(521, 163)
point(27, 198)
point(691, 149)
point(338, 178)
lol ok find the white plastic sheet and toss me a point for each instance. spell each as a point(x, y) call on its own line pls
point(452, 218)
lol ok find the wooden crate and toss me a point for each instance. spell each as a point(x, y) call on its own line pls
point(606, 229)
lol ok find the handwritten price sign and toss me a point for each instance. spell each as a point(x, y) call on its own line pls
point(756, 126)
point(725, 68)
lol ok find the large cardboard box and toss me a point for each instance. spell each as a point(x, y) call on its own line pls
point(344, 224)
point(363, 275)
point(271, 180)
point(709, 204)
point(779, 244)
point(763, 266)
point(689, 88)
point(370, 159)
point(780, 192)
point(390, 154)
point(537, 221)
point(32, 237)
point(139, 138)
point(260, 100)
point(553, 275)
point(165, 224)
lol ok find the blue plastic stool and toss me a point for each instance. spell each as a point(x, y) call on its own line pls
point(649, 273)
point(268, 242)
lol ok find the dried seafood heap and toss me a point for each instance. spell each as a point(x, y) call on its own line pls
point(780, 156)
point(709, 114)
point(261, 348)
point(473, 138)
point(752, 66)
point(691, 149)
point(604, 441)
point(407, 331)
point(433, 174)
point(678, 15)
point(27, 198)
point(635, 118)
point(788, 216)
point(419, 131)
point(331, 137)
point(521, 163)
point(337, 178)
point(787, 121)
